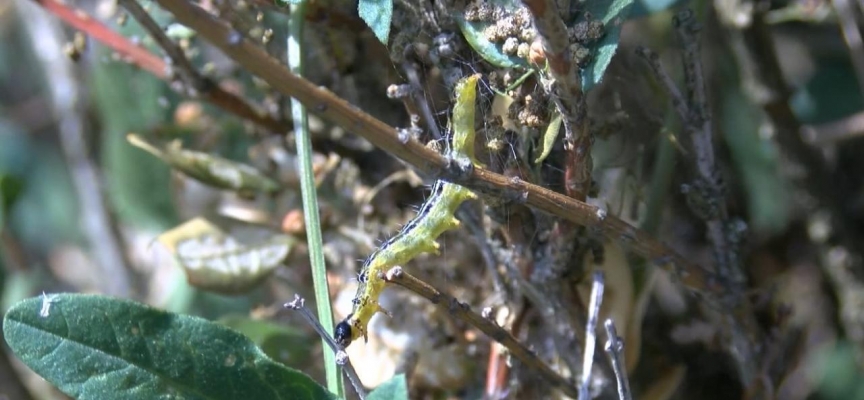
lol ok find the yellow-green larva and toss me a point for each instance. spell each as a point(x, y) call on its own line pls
point(419, 235)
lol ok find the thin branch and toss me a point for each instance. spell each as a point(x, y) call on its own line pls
point(706, 194)
point(179, 63)
point(299, 304)
point(653, 60)
point(130, 52)
point(419, 96)
point(156, 66)
point(708, 185)
point(615, 349)
point(463, 312)
point(338, 111)
point(591, 333)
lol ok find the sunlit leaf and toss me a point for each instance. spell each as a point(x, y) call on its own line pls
point(611, 13)
point(378, 15)
point(490, 51)
point(99, 348)
point(209, 169)
point(224, 262)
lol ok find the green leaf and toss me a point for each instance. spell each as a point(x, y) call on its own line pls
point(646, 7)
point(490, 51)
point(209, 169)
point(394, 389)
point(281, 342)
point(377, 14)
point(756, 160)
point(613, 14)
point(95, 347)
point(229, 262)
point(549, 137)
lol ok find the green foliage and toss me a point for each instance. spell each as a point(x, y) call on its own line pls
point(394, 389)
point(756, 162)
point(549, 138)
point(646, 7)
point(138, 184)
point(491, 52)
point(95, 347)
point(832, 93)
point(613, 14)
point(209, 169)
point(45, 211)
point(281, 342)
point(837, 373)
point(377, 14)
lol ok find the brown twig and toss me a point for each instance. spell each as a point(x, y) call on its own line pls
point(155, 65)
point(463, 312)
point(567, 94)
point(340, 112)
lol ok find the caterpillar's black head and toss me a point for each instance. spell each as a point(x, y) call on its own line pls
point(342, 334)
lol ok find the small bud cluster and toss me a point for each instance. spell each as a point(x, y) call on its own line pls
point(512, 30)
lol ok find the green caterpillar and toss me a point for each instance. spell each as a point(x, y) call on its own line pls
point(419, 235)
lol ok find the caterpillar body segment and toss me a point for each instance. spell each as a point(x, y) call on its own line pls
point(418, 236)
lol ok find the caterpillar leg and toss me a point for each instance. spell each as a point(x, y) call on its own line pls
point(384, 311)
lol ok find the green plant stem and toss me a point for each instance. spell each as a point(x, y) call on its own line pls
point(310, 197)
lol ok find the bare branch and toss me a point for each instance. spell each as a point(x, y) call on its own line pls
point(615, 350)
point(463, 312)
point(156, 66)
point(299, 304)
point(591, 333)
